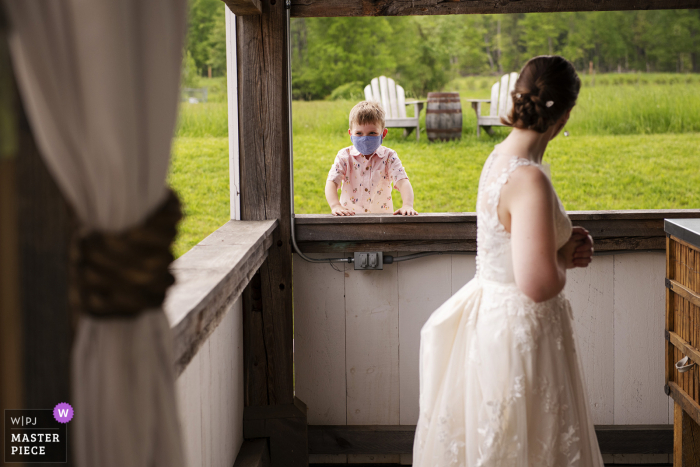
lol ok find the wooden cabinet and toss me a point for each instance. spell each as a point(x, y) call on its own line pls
point(683, 336)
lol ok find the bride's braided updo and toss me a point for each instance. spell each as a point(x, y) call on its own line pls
point(546, 88)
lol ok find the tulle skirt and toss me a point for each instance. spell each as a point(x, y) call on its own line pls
point(501, 383)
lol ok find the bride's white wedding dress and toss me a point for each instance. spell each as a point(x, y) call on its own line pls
point(500, 378)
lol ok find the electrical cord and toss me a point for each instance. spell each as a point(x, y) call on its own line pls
point(388, 259)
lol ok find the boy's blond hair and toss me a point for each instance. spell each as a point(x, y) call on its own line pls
point(367, 112)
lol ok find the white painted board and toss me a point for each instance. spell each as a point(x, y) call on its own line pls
point(372, 352)
point(463, 270)
point(640, 298)
point(590, 291)
point(319, 339)
point(424, 285)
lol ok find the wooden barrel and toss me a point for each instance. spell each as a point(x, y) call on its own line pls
point(443, 117)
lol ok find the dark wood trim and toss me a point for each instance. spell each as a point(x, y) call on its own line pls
point(611, 230)
point(244, 7)
point(46, 225)
point(253, 453)
point(398, 439)
point(286, 428)
point(11, 345)
point(683, 291)
point(681, 398)
point(320, 8)
point(686, 440)
point(635, 439)
point(684, 346)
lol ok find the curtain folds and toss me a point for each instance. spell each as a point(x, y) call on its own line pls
point(100, 82)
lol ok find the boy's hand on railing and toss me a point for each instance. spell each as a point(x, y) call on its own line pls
point(406, 210)
point(339, 210)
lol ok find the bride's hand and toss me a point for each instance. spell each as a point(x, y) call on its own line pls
point(583, 254)
point(568, 250)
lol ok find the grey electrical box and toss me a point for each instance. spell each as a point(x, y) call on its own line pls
point(371, 260)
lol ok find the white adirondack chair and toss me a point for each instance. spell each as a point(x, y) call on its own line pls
point(501, 103)
point(393, 99)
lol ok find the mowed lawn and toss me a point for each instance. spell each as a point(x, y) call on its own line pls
point(630, 147)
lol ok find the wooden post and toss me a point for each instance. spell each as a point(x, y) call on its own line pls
point(37, 330)
point(265, 194)
point(686, 439)
point(11, 375)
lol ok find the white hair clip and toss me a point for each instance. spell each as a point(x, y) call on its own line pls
point(549, 103)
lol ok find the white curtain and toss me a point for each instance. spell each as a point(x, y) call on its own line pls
point(99, 80)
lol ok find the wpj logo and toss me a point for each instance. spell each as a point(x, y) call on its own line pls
point(37, 435)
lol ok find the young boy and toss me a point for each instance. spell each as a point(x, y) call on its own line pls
point(366, 169)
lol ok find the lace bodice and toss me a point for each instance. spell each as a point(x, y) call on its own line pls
point(494, 260)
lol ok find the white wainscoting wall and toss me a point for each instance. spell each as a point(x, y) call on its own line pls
point(357, 339)
point(210, 396)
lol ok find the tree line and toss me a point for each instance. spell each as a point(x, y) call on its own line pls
point(423, 53)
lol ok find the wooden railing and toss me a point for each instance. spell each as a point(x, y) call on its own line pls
point(611, 230)
point(209, 279)
point(206, 317)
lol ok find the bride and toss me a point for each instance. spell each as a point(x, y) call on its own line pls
point(500, 378)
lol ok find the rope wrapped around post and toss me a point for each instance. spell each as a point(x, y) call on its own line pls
point(122, 274)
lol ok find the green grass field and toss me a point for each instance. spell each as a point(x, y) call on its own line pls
point(632, 145)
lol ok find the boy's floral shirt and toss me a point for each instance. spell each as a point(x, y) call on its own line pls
point(366, 182)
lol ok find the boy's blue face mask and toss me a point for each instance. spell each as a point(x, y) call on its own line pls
point(367, 145)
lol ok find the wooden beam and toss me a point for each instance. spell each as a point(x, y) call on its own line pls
point(46, 227)
point(320, 8)
point(398, 439)
point(263, 116)
point(209, 279)
point(285, 426)
point(11, 345)
point(686, 440)
point(264, 168)
point(254, 453)
point(244, 7)
point(681, 398)
point(611, 230)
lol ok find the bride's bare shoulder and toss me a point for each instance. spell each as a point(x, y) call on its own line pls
point(529, 176)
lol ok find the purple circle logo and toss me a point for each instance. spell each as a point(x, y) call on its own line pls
point(63, 412)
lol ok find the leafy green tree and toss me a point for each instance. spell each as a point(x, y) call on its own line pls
point(204, 34)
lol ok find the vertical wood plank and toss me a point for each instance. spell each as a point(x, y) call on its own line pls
point(206, 394)
point(319, 344)
point(319, 339)
point(372, 351)
point(218, 401)
point(264, 172)
point(463, 270)
point(232, 91)
point(188, 387)
point(639, 317)
point(11, 345)
point(590, 291)
point(424, 285)
point(46, 225)
point(210, 396)
point(236, 394)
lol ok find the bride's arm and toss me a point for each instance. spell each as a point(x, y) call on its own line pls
point(527, 202)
